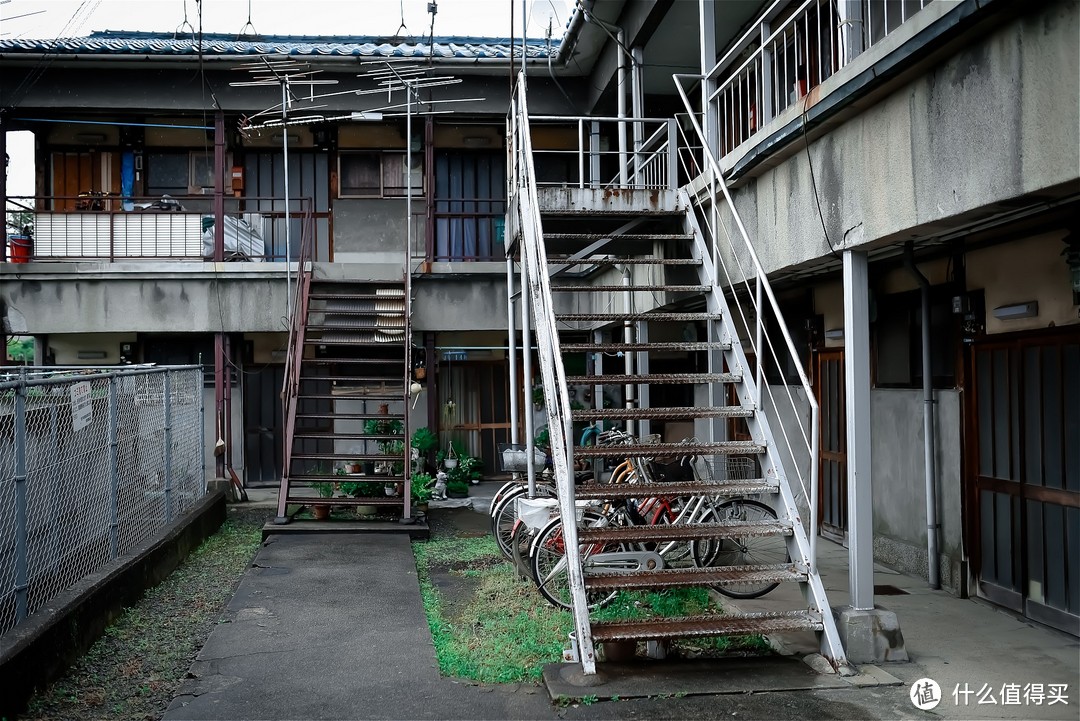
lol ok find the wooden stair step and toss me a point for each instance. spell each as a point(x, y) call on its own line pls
point(682, 577)
point(707, 626)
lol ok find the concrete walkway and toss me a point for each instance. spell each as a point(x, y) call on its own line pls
point(332, 627)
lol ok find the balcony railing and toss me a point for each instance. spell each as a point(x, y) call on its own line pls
point(105, 227)
point(792, 49)
point(604, 152)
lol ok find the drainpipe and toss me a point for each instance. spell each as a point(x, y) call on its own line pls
point(932, 524)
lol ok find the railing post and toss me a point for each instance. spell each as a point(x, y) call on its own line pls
point(628, 337)
point(707, 43)
point(511, 348)
point(594, 154)
point(167, 403)
point(581, 152)
point(852, 28)
point(673, 155)
point(22, 532)
point(526, 366)
point(114, 472)
point(759, 351)
point(765, 112)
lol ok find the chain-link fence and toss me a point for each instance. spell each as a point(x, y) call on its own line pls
point(93, 462)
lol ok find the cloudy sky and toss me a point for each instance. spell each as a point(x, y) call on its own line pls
point(487, 18)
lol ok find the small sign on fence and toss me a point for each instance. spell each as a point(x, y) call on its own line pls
point(82, 409)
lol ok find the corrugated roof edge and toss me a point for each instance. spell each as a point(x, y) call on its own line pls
point(113, 42)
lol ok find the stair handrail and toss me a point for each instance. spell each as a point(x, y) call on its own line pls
point(295, 349)
point(764, 291)
point(552, 372)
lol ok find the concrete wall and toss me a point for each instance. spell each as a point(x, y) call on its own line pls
point(994, 122)
point(1024, 270)
point(898, 482)
point(143, 297)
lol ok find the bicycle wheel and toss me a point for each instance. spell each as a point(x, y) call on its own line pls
point(747, 551)
point(521, 538)
point(549, 566)
point(504, 513)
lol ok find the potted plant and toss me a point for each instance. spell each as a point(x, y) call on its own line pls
point(364, 489)
point(421, 491)
point(325, 489)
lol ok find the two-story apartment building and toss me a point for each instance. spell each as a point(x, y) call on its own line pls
point(933, 144)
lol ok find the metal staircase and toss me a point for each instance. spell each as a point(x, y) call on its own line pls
point(346, 392)
point(670, 301)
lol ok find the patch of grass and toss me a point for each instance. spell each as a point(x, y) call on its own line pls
point(505, 632)
point(134, 669)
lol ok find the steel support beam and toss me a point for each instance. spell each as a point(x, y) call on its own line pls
point(857, 388)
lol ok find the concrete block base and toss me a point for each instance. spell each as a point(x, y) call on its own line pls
point(870, 636)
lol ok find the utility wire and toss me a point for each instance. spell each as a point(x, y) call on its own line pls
point(813, 181)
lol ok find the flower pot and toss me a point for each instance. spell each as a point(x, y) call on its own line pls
point(321, 511)
point(449, 463)
point(367, 510)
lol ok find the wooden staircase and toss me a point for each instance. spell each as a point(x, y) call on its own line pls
point(346, 395)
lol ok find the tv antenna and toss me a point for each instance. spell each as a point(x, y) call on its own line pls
point(289, 75)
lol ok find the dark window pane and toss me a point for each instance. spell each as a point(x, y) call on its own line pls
point(1054, 591)
point(1035, 550)
point(360, 174)
point(1001, 413)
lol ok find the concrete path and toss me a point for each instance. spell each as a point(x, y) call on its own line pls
point(332, 627)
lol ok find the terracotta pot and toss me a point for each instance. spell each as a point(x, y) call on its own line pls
point(321, 511)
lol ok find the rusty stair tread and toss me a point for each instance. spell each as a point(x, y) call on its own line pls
point(366, 362)
point(622, 288)
point(655, 379)
point(355, 393)
point(710, 576)
point(347, 478)
point(665, 413)
point(355, 379)
point(615, 347)
point(393, 457)
point(346, 416)
point(568, 262)
point(683, 531)
point(618, 236)
point(331, 436)
point(652, 450)
point(661, 489)
point(648, 316)
point(704, 626)
point(608, 212)
point(346, 501)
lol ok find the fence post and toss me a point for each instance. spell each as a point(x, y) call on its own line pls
point(200, 388)
point(114, 471)
point(167, 400)
point(22, 576)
